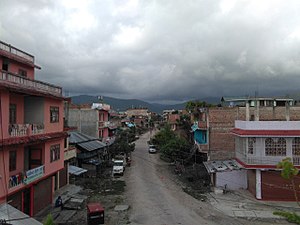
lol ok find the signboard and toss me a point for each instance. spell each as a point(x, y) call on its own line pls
point(34, 174)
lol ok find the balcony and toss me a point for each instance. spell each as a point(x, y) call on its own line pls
point(265, 160)
point(267, 125)
point(70, 153)
point(18, 81)
point(16, 52)
point(104, 124)
point(20, 130)
point(26, 177)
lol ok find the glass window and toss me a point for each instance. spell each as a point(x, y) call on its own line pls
point(251, 145)
point(296, 146)
point(54, 153)
point(12, 113)
point(12, 160)
point(54, 114)
point(275, 147)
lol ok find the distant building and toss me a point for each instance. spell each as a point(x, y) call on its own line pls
point(32, 133)
point(93, 120)
point(136, 112)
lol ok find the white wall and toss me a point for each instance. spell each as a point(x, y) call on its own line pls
point(235, 179)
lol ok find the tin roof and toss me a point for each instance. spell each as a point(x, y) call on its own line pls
point(76, 137)
point(92, 145)
point(222, 166)
point(15, 217)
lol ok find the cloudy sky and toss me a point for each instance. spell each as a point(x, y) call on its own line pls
point(162, 51)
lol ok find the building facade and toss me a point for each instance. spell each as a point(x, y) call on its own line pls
point(93, 120)
point(32, 133)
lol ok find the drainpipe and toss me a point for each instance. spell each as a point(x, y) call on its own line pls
point(256, 110)
point(247, 111)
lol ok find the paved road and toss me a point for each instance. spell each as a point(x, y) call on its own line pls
point(157, 200)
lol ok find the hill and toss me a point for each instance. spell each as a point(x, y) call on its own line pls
point(124, 104)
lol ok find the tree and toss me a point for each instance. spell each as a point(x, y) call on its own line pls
point(49, 220)
point(289, 172)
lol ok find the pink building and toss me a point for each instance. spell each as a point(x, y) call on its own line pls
point(32, 133)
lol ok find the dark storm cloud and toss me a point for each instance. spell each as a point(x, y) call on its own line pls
point(159, 50)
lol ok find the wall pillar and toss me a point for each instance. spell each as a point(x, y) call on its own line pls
point(258, 184)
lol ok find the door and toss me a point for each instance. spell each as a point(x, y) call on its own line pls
point(27, 201)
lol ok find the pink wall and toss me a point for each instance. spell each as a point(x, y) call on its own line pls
point(15, 66)
point(4, 97)
point(103, 115)
point(3, 177)
point(51, 167)
point(19, 101)
point(53, 127)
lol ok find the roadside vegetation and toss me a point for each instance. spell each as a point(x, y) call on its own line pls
point(289, 172)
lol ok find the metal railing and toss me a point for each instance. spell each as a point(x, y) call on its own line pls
point(19, 130)
point(15, 51)
point(30, 84)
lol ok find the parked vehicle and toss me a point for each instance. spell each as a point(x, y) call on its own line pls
point(119, 167)
point(152, 149)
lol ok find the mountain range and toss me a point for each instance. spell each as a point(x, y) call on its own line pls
point(124, 104)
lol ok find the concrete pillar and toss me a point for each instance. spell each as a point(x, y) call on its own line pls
point(258, 184)
point(287, 111)
point(256, 110)
point(247, 111)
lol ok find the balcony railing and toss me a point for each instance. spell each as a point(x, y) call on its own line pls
point(24, 82)
point(19, 130)
point(26, 177)
point(10, 49)
point(265, 160)
point(104, 124)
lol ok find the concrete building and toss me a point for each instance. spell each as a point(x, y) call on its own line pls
point(32, 133)
point(93, 120)
point(212, 126)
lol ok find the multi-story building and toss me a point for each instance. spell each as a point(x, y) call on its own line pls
point(32, 133)
point(93, 120)
point(212, 126)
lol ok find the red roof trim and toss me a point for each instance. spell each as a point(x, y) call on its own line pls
point(257, 166)
point(33, 139)
point(287, 133)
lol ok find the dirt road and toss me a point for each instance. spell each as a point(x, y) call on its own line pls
point(156, 199)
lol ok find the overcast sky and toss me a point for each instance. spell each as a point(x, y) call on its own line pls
point(164, 50)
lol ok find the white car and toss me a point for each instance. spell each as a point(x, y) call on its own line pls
point(118, 167)
point(152, 149)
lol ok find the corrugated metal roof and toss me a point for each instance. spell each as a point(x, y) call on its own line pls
point(76, 170)
point(222, 166)
point(76, 137)
point(92, 145)
point(9, 213)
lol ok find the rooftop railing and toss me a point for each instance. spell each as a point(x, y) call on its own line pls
point(15, 51)
point(30, 84)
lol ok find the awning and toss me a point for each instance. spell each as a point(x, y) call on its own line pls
point(12, 216)
point(76, 170)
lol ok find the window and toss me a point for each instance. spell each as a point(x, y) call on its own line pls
point(54, 153)
point(251, 145)
point(12, 160)
point(275, 147)
point(22, 73)
point(12, 113)
point(296, 146)
point(54, 114)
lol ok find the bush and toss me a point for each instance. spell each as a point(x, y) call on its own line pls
point(291, 217)
point(49, 220)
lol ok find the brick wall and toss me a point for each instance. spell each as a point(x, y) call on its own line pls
point(221, 122)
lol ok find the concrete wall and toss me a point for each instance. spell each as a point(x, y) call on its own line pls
point(86, 121)
point(34, 110)
point(221, 122)
point(234, 180)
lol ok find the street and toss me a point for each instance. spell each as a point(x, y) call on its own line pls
point(155, 198)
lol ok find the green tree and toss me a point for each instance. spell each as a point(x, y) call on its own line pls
point(289, 172)
point(49, 220)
